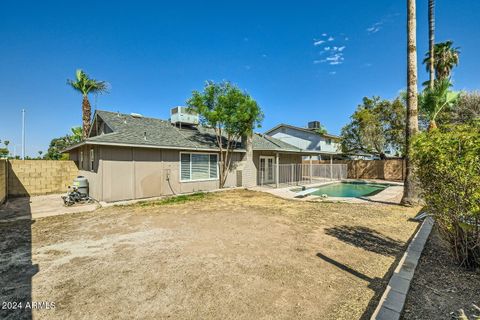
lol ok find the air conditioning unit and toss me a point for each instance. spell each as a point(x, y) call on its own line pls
point(182, 115)
point(314, 125)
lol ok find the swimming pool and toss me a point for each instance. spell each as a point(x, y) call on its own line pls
point(348, 189)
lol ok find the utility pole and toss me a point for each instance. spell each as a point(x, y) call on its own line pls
point(23, 134)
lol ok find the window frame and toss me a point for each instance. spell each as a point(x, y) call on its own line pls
point(209, 166)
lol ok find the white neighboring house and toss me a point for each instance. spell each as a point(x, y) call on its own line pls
point(327, 145)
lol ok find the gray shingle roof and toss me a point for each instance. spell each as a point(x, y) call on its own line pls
point(327, 135)
point(264, 142)
point(144, 131)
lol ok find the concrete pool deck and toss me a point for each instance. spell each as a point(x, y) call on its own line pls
point(391, 195)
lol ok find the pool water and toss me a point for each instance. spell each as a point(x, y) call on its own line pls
point(350, 189)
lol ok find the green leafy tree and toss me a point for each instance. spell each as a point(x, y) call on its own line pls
point(448, 167)
point(376, 125)
point(231, 113)
point(321, 130)
point(466, 109)
point(85, 86)
point(57, 145)
point(445, 58)
point(434, 101)
point(3, 152)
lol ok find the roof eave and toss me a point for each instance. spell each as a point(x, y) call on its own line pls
point(149, 146)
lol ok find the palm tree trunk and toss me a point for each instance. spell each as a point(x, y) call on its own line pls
point(432, 125)
point(431, 41)
point(86, 115)
point(411, 190)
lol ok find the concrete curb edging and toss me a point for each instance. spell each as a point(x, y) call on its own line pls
point(393, 299)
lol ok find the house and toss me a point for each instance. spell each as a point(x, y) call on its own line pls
point(128, 156)
point(326, 146)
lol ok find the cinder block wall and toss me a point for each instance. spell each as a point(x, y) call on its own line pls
point(36, 177)
point(3, 180)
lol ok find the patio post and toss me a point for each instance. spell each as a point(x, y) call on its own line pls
point(311, 168)
point(291, 176)
point(331, 167)
point(277, 169)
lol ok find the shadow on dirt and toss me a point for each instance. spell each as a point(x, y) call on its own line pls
point(370, 240)
point(367, 239)
point(16, 268)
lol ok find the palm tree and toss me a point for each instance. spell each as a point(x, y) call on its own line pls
point(76, 135)
point(431, 42)
point(411, 191)
point(445, 58)
point(86, 85)
point(433, 101)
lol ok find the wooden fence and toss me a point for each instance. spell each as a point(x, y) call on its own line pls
point(390, 169)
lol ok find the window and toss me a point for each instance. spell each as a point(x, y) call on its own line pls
point(329, 141)
point(92, 153)
point(81, 160)
point(198, 166)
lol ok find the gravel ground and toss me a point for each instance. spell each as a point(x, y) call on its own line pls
point(440, 288)
point(231, 255)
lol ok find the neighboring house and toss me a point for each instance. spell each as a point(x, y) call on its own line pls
point(326, 146)
point(132, 157)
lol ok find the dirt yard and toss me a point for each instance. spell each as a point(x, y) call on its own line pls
point(440, 288)
point(230, 255)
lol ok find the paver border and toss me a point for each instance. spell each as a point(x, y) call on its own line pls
point(393, 299)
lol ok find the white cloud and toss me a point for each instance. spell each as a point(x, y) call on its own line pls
point(333, 53)
point(377, 26)
point(332, 73)
point(335, 59)
point(324, 34)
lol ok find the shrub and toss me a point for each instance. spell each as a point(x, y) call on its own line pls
point(448, 166)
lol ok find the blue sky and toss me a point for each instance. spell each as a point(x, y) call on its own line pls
point(301, 60)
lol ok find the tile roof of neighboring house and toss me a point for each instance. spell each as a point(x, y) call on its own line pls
point(303, 129)
point(131, 130)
